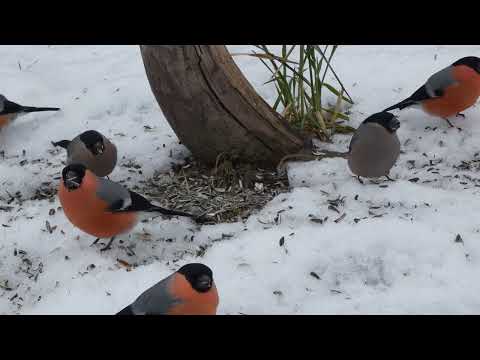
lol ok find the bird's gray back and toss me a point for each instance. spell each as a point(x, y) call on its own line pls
point(373, 151)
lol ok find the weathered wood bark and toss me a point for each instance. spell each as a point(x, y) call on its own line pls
point(212, 107)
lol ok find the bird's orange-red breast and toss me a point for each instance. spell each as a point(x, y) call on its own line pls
point(90, 213)
point(191, 301)
point(456, 97)
point(5, 120)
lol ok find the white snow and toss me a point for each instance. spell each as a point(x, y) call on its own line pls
point(405, 261)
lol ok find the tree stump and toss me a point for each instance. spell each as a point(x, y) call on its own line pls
point(212, 107)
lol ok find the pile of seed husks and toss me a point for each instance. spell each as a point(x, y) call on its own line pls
point(226, 193)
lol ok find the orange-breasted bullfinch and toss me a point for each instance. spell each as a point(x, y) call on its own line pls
point(9, 110)
point(101, 207)
point(189, 291)
point(91, 149)
point(449, 91)
point(374, 147)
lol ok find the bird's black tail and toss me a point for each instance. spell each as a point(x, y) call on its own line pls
point(126, 311)
point(139, 203)
point(62, 143)
point(29, 109)
point(401, 105)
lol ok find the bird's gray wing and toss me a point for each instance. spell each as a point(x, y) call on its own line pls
point(374, 151)
point(438, 82)
point(156, 300)
point(117, 196)
point(354, 139)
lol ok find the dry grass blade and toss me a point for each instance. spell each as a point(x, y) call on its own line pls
point(265, 56)
point(336, 109)
point(299, 83)
point(317, 48)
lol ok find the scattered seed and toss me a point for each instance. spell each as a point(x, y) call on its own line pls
point(316, 220)
point(124, 263)
point(49, 228)
point(458, 239)
point(333, 208)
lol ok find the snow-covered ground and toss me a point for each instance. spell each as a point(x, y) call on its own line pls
point(393, 252)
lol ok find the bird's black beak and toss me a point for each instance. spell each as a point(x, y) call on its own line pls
point(99, 148)
point(71, 184)
point(203, 283)
point(71, 181)
point(394, 124)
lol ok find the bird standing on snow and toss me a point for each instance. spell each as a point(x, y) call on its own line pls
point(101, 207)
point(91, 149)
point(449, 91)
point(9, 110)
point(189, 291)
point(374, 148)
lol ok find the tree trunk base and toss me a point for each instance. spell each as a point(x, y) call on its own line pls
point(213, 109)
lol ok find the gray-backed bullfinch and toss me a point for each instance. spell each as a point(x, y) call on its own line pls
point(189, 291)
point(374, 147)
point(101, 207)
point(9, 110)
point(91, 149)
point(449, 91)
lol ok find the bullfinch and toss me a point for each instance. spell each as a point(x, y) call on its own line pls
point(93, 150)
point(9, 110)
point(374, 147)
point(101, 207)
point(189, 291)
point(449, 91)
